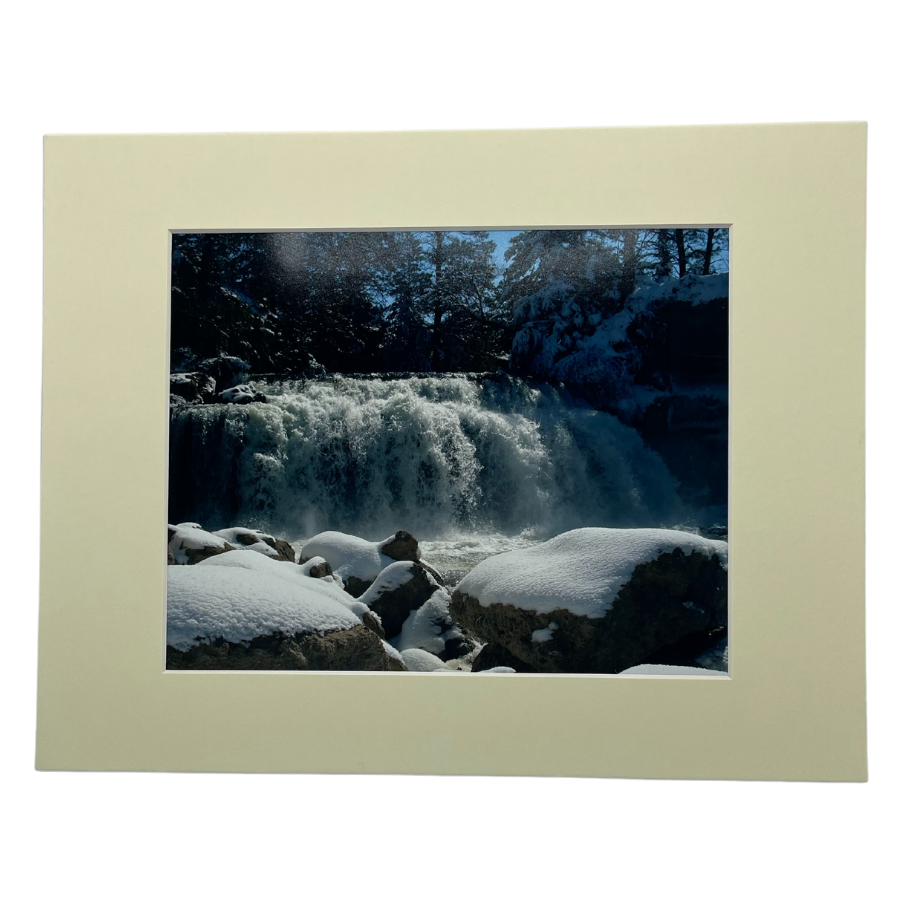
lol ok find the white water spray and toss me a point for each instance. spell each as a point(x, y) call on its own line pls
point(438, 456)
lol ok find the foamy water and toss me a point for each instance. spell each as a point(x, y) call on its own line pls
point(447, 458)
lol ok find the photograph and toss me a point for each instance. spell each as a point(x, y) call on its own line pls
point(498, 452)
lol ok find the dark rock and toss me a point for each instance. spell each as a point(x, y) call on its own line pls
point(394, 606)
point(686, 651)
point(355, 649)
point(372, 623)
point(666, 600)
point(320, 570)
point(356, 587)
point(455, 647)
point(171, 557)
point(228, 371)
point(285, 550)
point(199, 554)
point(433, 573)
point(402, 547)
point(248, 539)
point(492, 655)
point(193, 387)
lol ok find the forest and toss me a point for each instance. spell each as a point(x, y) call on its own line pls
point(430, 301)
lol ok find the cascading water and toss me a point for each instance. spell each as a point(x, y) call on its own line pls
point(439, 456)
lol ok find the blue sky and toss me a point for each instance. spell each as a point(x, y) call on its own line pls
point(502, 239)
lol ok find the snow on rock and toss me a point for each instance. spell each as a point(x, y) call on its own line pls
point(258, 541)
point(581, 571)
point(316, 567)
point(192, 387)
point(190, 544)
point(349, 556)
point(615, 597)
point(431, 628)
point(394, 576)
point(242, 393)
point(606, 356)
point(240, 596)
point(540, 635)
point(398, 590)
point(392, 653)
point(498, 670)
point(648, 669)
point(421, 661)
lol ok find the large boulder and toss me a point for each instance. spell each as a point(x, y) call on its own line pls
point(358, 562)
point(595, 600)
point(246, 599)
point(401, 547)
point(355, 649)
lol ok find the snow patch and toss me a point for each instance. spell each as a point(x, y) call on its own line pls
point(650, 669)
point(421, 661)
point(541, 635)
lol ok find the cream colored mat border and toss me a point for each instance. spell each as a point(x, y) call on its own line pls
point(794, 707)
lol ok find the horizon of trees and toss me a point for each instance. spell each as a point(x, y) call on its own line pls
point(430, 301)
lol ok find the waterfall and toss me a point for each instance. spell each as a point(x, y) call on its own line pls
point(437, 455)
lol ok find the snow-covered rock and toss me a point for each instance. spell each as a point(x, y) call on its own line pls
point(190, 544)
point(259, 541)
point(241, 393)
point(612, 596)
point(358, 561)
point(398, 590)
point(245, 610)
point(432, 628)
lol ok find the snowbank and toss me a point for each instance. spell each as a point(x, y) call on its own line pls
point(648, 669)
point(581, 571)
point(239, 596)
point(560, 338)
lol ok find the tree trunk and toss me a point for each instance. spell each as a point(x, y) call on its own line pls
point(629, 264)
point(707, 255)
point(682, 254)
point(438, 300)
